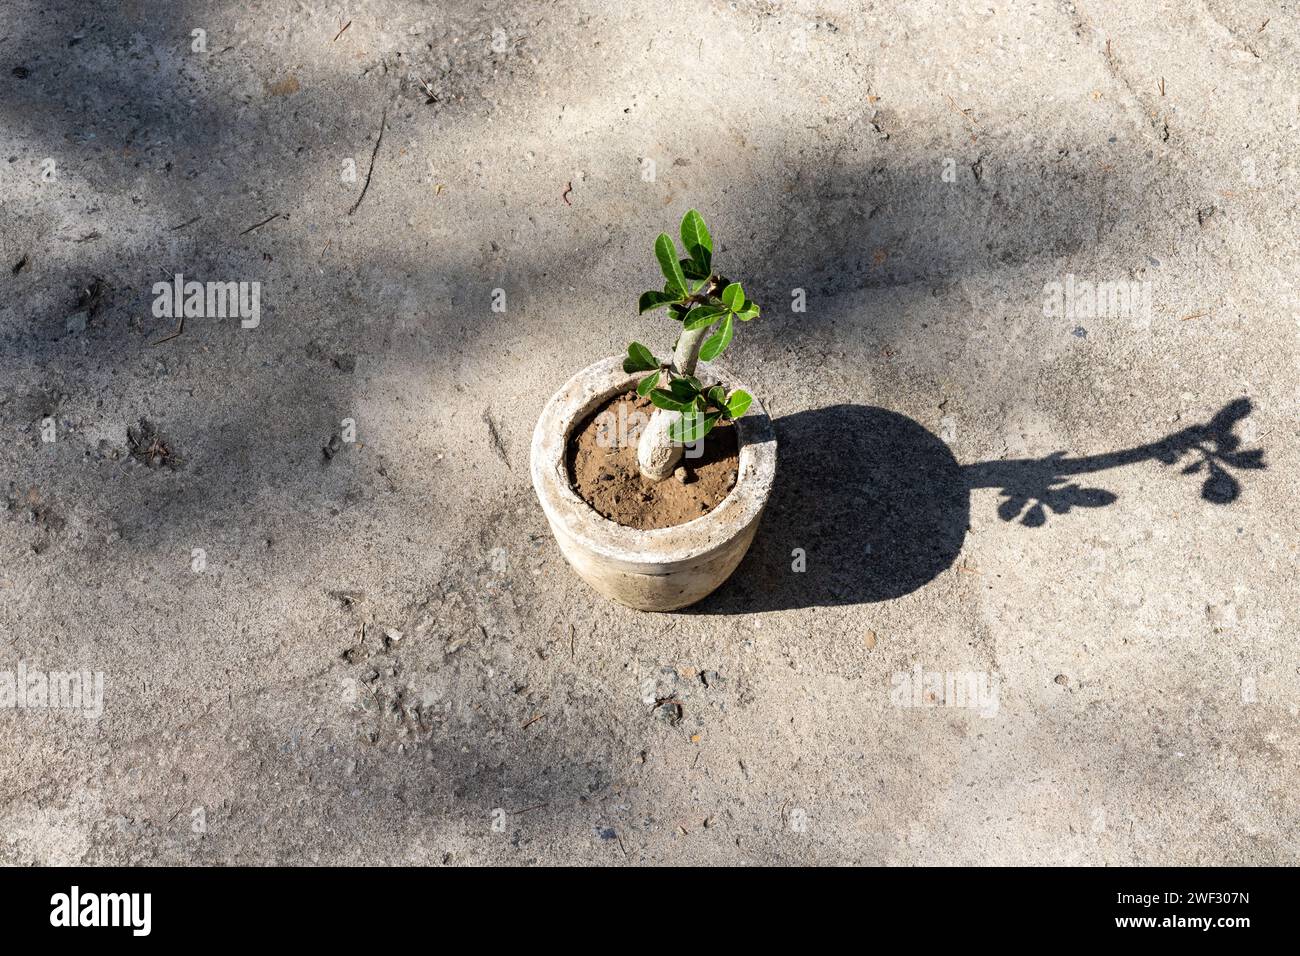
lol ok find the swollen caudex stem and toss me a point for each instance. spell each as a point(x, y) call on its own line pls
point(657, 454)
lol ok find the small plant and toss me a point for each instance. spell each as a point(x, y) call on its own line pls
point(708, 305)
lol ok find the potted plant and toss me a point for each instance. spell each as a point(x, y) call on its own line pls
point(653, 473)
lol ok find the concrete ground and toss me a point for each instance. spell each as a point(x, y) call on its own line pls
point(319, 650)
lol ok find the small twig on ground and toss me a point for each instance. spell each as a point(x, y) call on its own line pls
point(260, 224)
point(340, 33)
point(498, 445)
point(530, 721)
point(1195, 315)
point(184, 224)
point(179, 329)
point(383, 119)
point(565, 195)
point(962, 113)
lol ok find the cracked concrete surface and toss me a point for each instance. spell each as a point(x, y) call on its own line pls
point(370, 651)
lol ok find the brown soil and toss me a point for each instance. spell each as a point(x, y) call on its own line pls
point(604, 472)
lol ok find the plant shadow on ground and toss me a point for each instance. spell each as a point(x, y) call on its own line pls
point(881, 507)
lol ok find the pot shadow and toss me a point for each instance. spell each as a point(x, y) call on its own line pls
point(875, 506)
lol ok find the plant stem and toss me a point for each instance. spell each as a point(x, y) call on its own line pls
point(656, 453)
point(688, 350)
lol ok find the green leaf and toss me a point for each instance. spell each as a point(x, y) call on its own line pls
point(677, 313)
point(692, 426)
point(719, 340)
point(696, 239)
point(692, 269)
point(738, 403)
point(666, 400)
point(643, 355)
point(718, 396)
point(733, 297)
point(682, 391)
point(747, 311)
point(655, 300)
point(666, 253)
point(647, 383)
point(701, 316)
point(639, 359)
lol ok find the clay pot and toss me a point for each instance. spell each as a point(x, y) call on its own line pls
point(665, 568)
